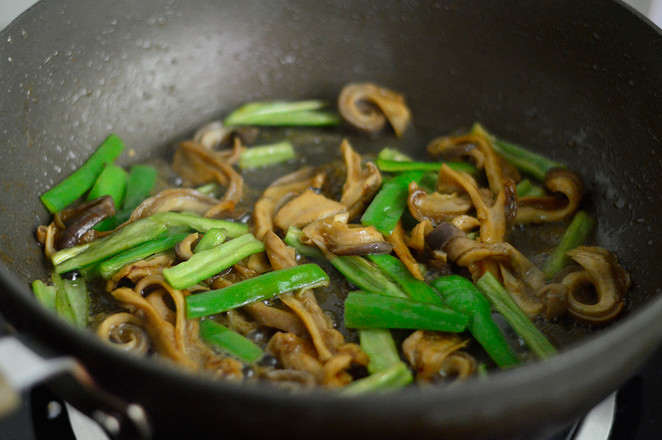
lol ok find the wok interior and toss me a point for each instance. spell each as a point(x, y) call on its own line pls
point(577, 82)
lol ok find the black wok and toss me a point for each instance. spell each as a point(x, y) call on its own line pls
point(580, 81)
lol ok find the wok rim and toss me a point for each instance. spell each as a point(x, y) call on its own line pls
point(19, 299)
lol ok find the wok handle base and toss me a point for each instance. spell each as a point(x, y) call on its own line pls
point(22, 369)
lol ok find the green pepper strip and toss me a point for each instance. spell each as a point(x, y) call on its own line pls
point(372, 310)
point(68, 298)
point(397, 166)
point(111, 182)
point(527, 189)
point(212, 238)
point(523, 159)
point(129, 236)
point(200, 224)
point(576, 234)
point(390, 202)
point(74, 186)
point(460, 294)
point(264, 155)
point(230, 341)
point(380, 347)
point(204, 264)
point(139, 186)
point(396, 270)
point(264, 286)
point(283, 113)
point(393, 377)
point(111, 266)
point(517, 319)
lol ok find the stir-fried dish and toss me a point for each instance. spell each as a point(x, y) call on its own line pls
point(364, 272)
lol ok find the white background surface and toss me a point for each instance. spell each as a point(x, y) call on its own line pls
point(10, 9)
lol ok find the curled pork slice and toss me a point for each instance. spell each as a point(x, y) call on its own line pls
point(298, 354)
point(197, 165)
point(438, 355)
point(340, 238)
point(367, 107)
point(162, 310)
point(494, 216)
point(436, 207)
point(184, 249)
point(306, 208)
point(275, 318)
point(361, 183)
point(278, 193)
point(175, 199)
point(140, 269)
point(524, 282)
point(597, 291)
point(217, 137)
point(125, 331)
point(567, 191)
point(398, 240)
point(480, 151)
point(416, 239)
point(329, 345)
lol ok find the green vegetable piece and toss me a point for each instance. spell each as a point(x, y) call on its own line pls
point(527, 189)
point(398, 166)
point(200, 224)
point(523, 159)
point(461, 295)
point(264, 155)
point(230, 341)
point(264, 286)
point(213, 189)
point(44, 294)
point(133, 234)
point(372, 310)
point(139, 186)
point(380, 347)
point(292, 238)
point(72, 300)
point(576, 234)
point(212, 238)
point(416, 289)
point(81, 180)
point(504, 304)
point(393, 154)
point(390, 202)
point(364, 274)
point(111, 266)
point(283, 113)
point(111, 182)
point(204, 264)
point(394, 377)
